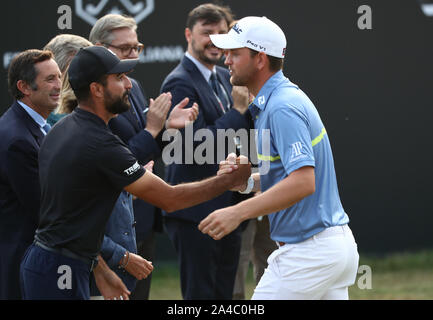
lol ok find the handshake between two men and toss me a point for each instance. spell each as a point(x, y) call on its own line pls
point(223, 221)
point(233, 173)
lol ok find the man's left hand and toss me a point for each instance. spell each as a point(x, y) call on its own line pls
point(220, 223)
point(179, 117)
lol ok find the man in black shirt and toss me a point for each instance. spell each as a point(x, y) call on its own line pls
point(83, 168)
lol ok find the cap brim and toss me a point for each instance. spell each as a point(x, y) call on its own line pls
point(123, 66)
point(225, 41)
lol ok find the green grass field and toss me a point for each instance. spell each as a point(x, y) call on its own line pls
point(402, 276)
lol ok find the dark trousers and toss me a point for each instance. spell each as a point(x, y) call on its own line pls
point(48, 275)
point(207, 267)
point(146, 249)
point(10, 260)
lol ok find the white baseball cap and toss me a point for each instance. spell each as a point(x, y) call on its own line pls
point(257, 33)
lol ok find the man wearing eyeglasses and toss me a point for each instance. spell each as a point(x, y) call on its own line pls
point(141, 132)
point(124, 44)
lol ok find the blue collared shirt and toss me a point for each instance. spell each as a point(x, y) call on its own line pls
point(291, 135)
point(35, 116)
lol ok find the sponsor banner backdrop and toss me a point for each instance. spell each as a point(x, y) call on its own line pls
point(367, 66)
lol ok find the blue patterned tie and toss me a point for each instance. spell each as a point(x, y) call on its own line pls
point(218, 91)
point(254, 110)
point(46, 127)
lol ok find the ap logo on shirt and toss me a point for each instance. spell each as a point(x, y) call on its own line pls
point(296, 153)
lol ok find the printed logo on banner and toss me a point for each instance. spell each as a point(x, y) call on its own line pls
point(91, 11)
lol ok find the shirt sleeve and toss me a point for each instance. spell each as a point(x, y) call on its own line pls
point(118, 164)
point(292, 139)
point(112, 252)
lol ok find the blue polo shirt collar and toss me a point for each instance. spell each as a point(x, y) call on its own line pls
point(265, 92)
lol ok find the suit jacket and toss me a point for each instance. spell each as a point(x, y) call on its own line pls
point(20, 141)
point(187, 81)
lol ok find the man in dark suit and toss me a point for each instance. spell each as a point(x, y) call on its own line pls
point(139, 128)
point(34, 81)
point(207, 267)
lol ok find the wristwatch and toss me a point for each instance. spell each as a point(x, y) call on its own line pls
point(250, 186)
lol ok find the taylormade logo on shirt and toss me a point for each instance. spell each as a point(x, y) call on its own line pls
point(131, 170)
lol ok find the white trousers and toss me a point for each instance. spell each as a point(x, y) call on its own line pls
point(322, 267)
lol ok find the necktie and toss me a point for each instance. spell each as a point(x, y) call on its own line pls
point(254, 110)
point(46, 128)
point(218, 91)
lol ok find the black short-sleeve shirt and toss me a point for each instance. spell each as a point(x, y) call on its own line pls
point(83, 167)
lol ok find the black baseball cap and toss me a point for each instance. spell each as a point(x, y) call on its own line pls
point(91, 63)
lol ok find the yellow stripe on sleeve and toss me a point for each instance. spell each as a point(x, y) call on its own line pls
point(319, 138)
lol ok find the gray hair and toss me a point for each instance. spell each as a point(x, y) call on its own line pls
point(64, 47)
point(103, 28)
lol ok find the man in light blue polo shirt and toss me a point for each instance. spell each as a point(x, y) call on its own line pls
point(317, 256)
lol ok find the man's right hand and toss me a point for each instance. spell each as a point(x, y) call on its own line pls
point(109, 284)
point(239, 167)
point(158, 110)
point(241, 98)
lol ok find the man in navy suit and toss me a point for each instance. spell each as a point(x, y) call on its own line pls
point(34, 81)
point(141, 132)
point(207, 267)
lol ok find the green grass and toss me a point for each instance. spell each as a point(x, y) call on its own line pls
point(403, 276)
